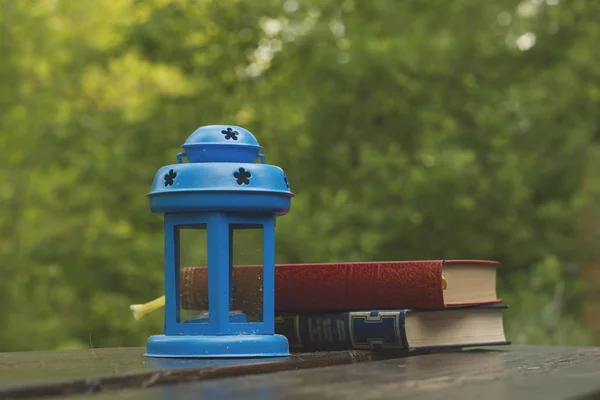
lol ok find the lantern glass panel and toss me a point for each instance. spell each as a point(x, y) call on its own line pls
point(192, 268)
point(247, 281)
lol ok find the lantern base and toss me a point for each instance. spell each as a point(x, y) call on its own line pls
point(217, 346)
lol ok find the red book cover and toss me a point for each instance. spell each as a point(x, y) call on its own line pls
point(355, 286)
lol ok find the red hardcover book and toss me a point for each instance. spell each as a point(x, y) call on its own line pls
point(354, 286)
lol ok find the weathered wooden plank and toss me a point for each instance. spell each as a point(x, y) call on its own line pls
point(514, 373)
point(35, 374)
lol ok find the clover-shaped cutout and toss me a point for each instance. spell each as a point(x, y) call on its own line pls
point(287, 184)
point(242, 176)
point(170, 177)
point(230, 134)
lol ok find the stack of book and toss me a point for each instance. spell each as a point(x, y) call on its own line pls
point(409, 305)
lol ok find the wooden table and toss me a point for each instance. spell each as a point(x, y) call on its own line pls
point(512, 372)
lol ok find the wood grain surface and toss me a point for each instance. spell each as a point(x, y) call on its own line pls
point(60, 373)
point(512, 372)
point(526, 373)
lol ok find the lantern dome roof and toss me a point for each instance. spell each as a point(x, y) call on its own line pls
point(221, 143)
point(222, 134)
point(222, 175)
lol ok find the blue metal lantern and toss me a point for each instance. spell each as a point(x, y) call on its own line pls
point(220, 189)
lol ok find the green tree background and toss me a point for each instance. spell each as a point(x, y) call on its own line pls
point(411, 129)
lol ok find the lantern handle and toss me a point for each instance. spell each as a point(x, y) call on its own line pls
point(179, 156)
point(262, 158)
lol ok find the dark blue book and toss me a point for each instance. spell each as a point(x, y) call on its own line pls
point(394, 329)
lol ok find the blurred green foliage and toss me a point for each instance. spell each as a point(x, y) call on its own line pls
point(411, 129)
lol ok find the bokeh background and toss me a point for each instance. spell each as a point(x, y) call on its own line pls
point(413, 129)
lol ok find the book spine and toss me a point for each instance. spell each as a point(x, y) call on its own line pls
point(334, 287)
point(360, 286)
point(368, 330)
